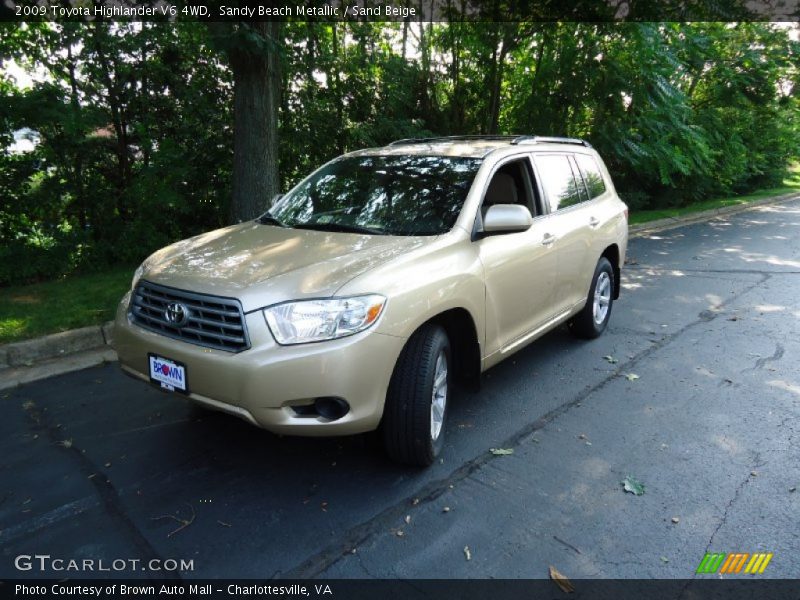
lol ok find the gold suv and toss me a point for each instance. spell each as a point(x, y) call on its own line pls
point(374, 285)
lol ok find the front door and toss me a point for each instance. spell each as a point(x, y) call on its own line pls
point(520, 268)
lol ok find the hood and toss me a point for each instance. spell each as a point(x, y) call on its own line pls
point(263, 264)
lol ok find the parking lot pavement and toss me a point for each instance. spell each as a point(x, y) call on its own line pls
point(96, 465)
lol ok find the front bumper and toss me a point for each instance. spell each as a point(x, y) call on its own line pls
point(262, 384)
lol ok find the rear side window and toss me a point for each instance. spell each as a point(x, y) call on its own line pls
point(558, 180)
point(591, 175)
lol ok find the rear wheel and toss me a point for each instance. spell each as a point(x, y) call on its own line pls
point(416, 402)
point(593, 318)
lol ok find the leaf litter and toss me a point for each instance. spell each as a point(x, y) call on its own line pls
point(561, 580)
point(632, 485)
point(501, 451)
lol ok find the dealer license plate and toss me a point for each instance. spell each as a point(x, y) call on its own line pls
point(169, 374)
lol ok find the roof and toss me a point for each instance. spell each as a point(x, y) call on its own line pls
point(475, 146)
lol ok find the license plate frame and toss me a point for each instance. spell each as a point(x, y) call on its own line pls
point(174, 379)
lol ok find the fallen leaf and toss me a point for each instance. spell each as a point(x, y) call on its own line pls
point(611, 359)
point(631, 485)
point(501, 451)
point(753, 474)
point(561, 581)
point(467, 553)
point(631, 377)
point(676, 520)
point(793, 488)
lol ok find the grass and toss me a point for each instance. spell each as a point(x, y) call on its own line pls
point(791, 184)
point(30, 311)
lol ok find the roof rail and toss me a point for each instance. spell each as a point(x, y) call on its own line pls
point(541, 139)
point(456, 138)
point(513, 139)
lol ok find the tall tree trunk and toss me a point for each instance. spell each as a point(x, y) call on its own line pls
point(256, 93)
point(117, 108)
point(77, 158)
point(405, 37)
point(337, 86)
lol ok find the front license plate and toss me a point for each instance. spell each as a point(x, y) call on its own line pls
point(168, 374)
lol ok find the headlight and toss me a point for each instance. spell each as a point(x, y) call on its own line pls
point(137, 275)
point(318, 320)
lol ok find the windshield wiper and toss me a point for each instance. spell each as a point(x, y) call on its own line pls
point(268, 219)
point(341, 227)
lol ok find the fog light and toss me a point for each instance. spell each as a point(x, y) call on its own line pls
point(331, 408)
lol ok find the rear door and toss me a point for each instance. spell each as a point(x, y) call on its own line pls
point(570, 225)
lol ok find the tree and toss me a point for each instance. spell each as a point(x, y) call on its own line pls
point(255, 61)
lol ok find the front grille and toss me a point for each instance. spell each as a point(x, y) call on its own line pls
point(211, 321)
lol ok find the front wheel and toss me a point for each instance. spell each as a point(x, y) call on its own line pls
point(593, 318)
point(416, 402)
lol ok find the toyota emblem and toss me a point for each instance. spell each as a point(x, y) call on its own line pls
point(176, 314)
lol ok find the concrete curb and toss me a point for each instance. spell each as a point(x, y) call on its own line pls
point(31, 352)
point(705, 215)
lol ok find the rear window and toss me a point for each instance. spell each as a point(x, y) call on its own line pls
point(591, 175)
point(558, 180)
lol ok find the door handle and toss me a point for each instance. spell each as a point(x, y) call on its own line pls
point(594, 222)
point(548, 239)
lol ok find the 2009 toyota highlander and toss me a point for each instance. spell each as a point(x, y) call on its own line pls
point(356, 301)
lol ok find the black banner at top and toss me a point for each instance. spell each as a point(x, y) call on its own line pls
point(399, 10)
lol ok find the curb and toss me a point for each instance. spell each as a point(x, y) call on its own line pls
point(37, 350)
point(705, 215)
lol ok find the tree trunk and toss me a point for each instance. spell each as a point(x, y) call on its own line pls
point(337, 86)
point(256, 92)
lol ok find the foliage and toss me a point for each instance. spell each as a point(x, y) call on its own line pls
point(134, 121)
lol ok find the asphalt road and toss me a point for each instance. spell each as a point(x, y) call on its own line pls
point(96, 465)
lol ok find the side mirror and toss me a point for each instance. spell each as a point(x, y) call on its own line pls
point(275, 199)
point(507, 218)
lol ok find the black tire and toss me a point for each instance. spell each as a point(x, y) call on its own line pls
point(584, 324)
point(407, 418)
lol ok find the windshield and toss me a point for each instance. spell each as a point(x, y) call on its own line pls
point(387, 195)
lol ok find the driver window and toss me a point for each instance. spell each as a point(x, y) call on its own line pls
point(511, 184)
